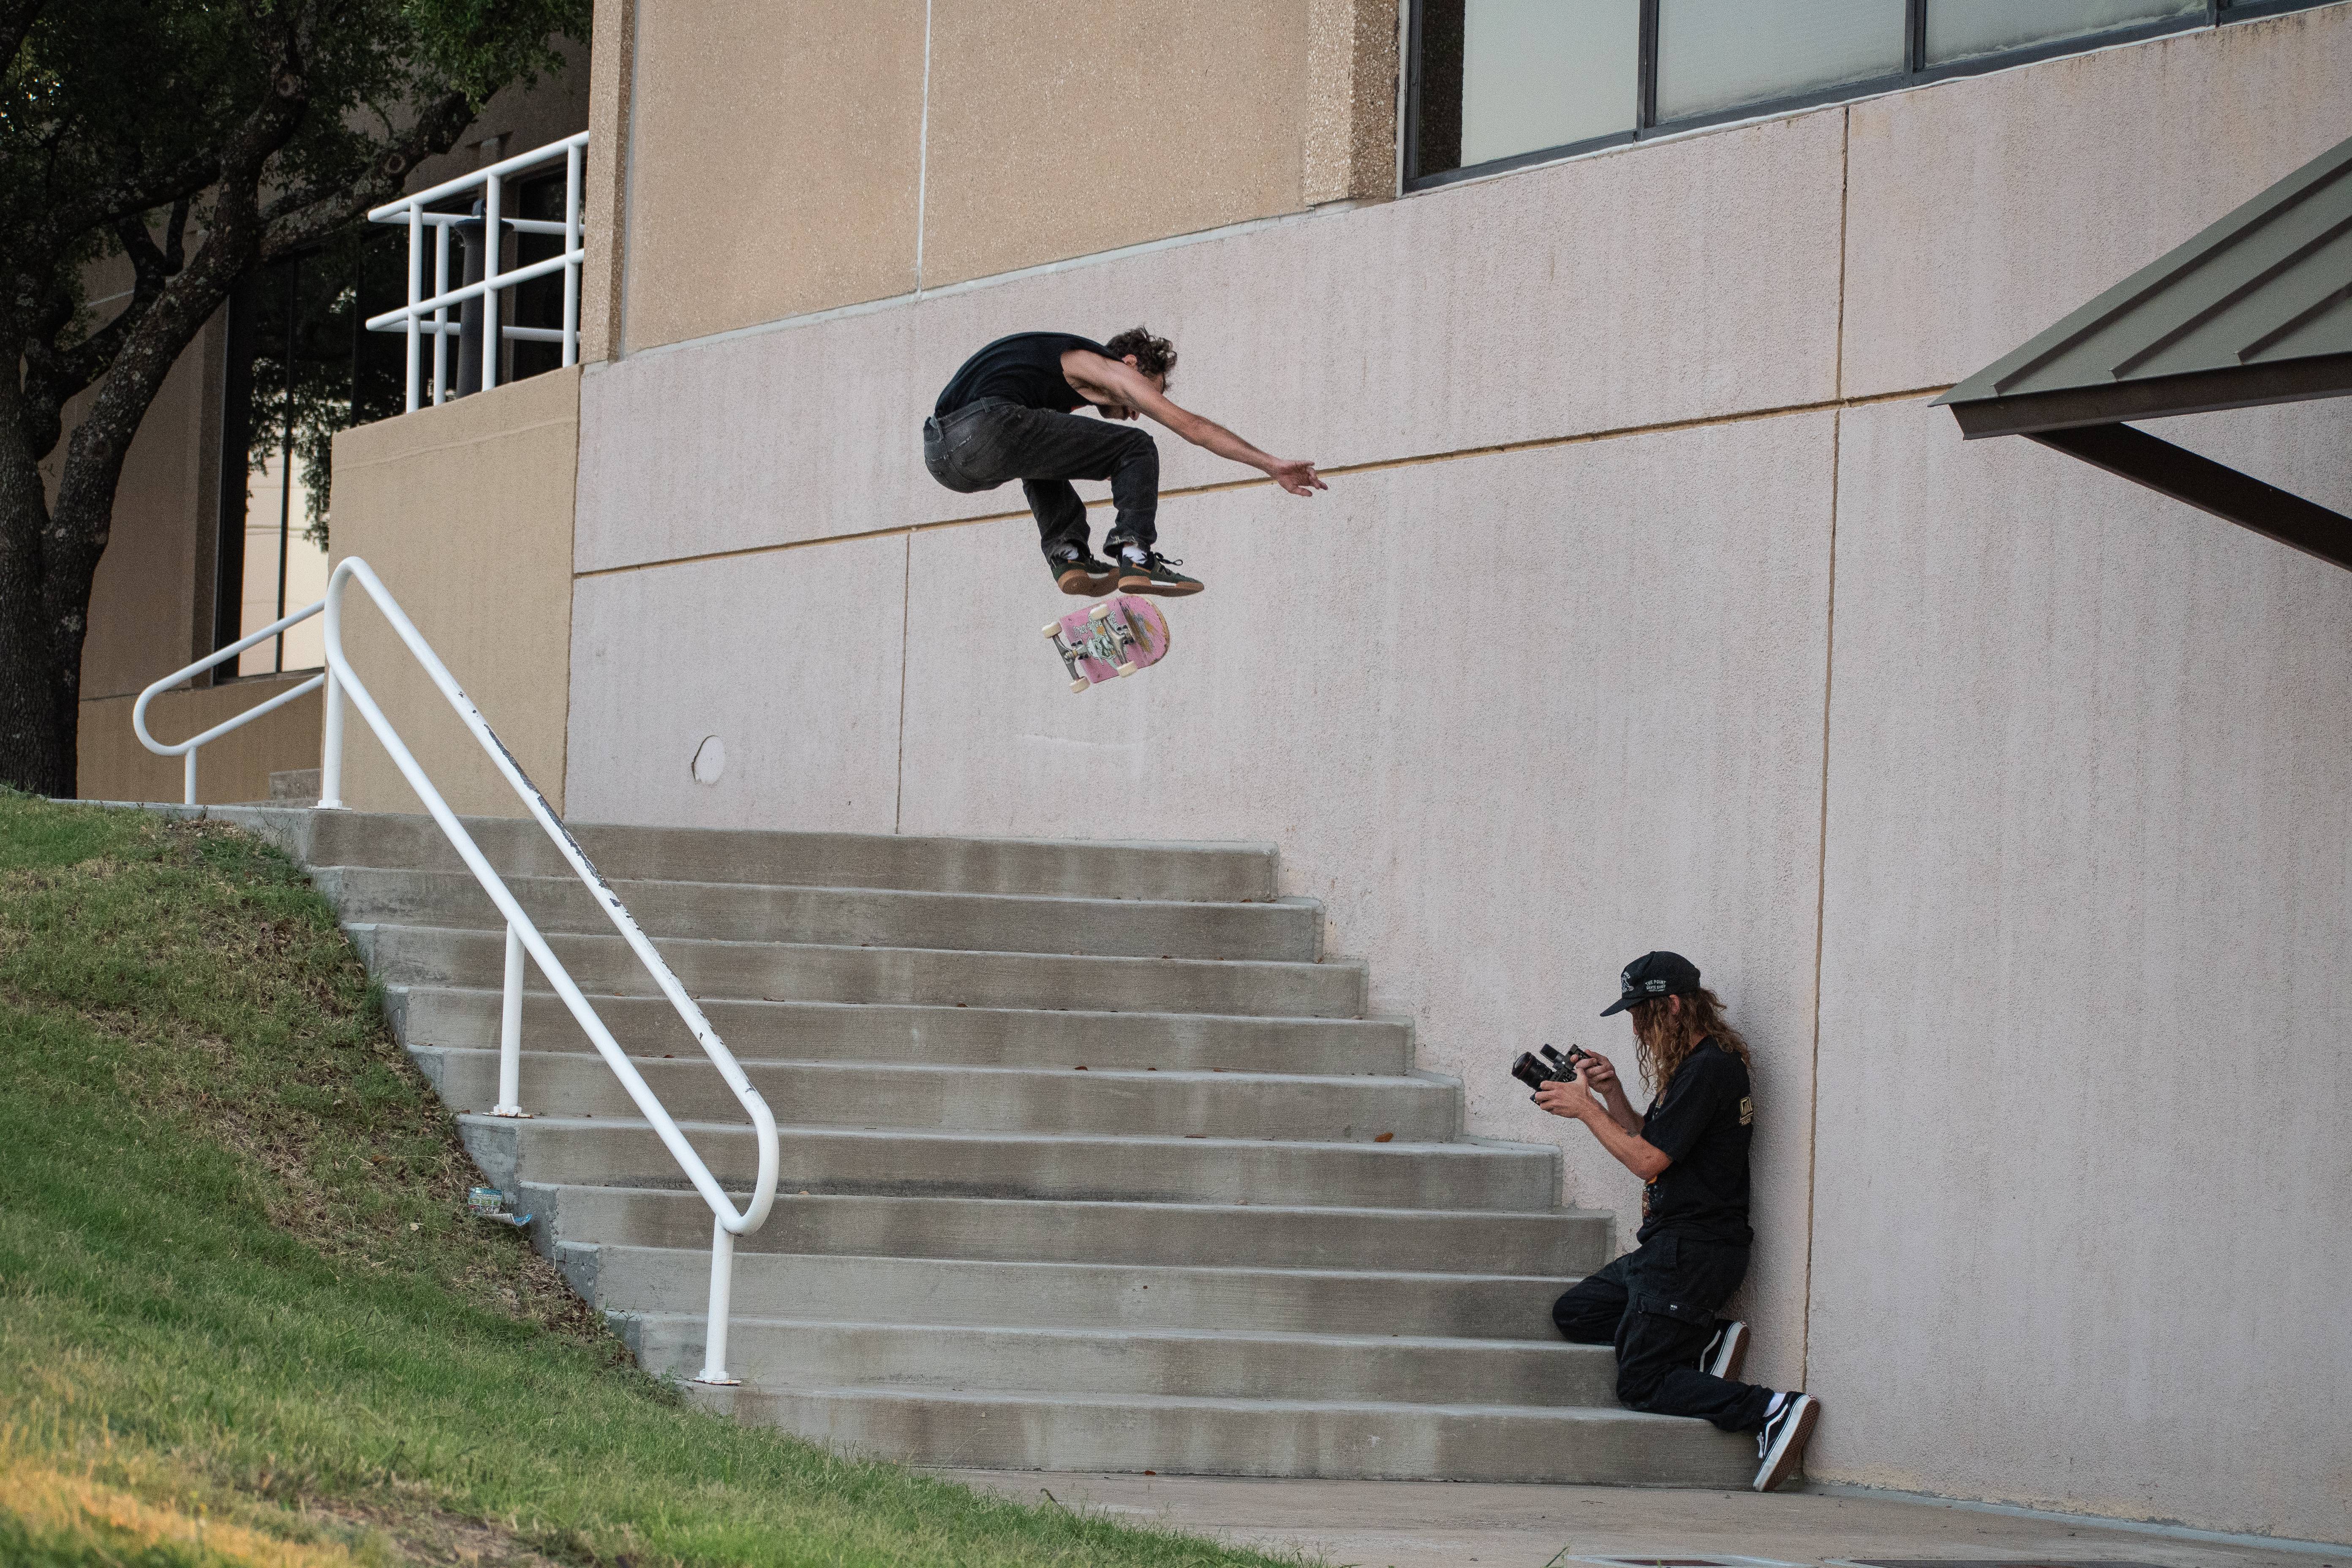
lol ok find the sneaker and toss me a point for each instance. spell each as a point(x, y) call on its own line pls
point(1781, 1442)
point(1155, 573)
point(1075, 572)
point(1727, 1353)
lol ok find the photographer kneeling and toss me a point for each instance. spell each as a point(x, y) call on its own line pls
point(1657, 1304)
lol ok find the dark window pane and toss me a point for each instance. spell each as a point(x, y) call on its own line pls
point(1437, 88)
point(1499, 77)
point(1539, 74)
point(1961, 29)
point(1716, 55)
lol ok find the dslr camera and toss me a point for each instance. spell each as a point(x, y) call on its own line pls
point(1550, 1068)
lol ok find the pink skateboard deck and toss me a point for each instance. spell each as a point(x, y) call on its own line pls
point(1104, 641)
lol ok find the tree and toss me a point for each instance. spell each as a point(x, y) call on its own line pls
point(200, 140)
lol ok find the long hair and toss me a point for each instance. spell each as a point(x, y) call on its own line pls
point(1664, 1038)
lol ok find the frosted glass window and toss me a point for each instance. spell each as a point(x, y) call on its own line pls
point(1545, 73)
point(1957, 29)
point(1715, 54)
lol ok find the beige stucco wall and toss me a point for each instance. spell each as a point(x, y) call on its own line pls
point(465, 513)
point(2021, 761)
point(1062, 130)
point(774, 153)
point(919, 145)
point(113, 765)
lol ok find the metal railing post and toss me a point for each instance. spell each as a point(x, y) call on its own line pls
point(722, 1292)
point(440, 316)
point(494, 258)
point(188, 778)
point(330, 747)
point(571, 244)
point(511, 1031)
point(416, 286)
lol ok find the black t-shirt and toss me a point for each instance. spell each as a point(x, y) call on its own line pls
point(1702, 1123)
point(1026, 368)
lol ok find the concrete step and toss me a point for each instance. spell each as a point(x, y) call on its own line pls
point(1229, 1364)
point(967, 1291)
point(1580, 1445)
point(294, 786)
point(1289, 930)
point(399, 954)
point(1222, 873)
point(1004, 1100)
point(1551, 1243)
point(980, 1036)
point(625, 1152)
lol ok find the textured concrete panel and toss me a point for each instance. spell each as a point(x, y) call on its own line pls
point(1544, 712)
point(1662, 284)
point(776, 148)
point(1059, 131)
point(1984, 209)
point(2078, 1237)
point(791, 661)
point(465, 513)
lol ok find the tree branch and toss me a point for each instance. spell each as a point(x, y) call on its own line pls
point(301, 217)
point(17, 19)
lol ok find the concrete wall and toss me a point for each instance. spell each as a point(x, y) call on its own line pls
point(465, 513)
point(934, 142)
point(1650, 605)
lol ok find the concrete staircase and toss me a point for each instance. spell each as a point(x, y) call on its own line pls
point(1092, 1158)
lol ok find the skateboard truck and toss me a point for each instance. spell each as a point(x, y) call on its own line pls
point(1107, 640)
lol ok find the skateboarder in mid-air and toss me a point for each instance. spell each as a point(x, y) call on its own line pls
point(1006, 415)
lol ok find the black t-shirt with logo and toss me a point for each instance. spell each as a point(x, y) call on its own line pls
point(1702, 1121)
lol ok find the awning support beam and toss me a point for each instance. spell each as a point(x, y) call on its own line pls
point(2207, 486)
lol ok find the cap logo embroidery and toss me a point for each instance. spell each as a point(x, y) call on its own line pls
point(1655, 986)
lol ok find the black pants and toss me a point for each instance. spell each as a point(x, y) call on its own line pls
point(1657, 1305)
point(984, 444)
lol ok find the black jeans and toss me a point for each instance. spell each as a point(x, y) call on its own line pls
point(984, 444)
point(1657, 1305)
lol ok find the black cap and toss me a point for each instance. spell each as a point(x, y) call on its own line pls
point(1653, 975)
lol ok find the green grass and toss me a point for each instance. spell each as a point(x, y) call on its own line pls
point(238, 1291)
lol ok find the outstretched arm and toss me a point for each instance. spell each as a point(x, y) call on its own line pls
point(1128, 389)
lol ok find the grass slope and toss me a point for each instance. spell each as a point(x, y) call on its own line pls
point(243, 1319)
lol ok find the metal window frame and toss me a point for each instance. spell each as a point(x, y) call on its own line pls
point(1915, 72)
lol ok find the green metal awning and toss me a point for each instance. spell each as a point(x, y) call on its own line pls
point(2255, 309)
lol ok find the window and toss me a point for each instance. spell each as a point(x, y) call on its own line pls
point(1497, 83)
point(303, 365)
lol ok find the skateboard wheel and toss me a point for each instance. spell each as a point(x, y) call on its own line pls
point(1050, 627)
point(1077, 687)
point(1127, 669)
point(1100, 612)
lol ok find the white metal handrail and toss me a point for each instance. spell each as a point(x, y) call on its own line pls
point(413, 210)
point(343, 684)
point(188, 748)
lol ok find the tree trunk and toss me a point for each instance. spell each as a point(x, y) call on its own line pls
point(49, 556)
point(34, 753)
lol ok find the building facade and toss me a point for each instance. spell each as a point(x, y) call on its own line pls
point(1651, 605)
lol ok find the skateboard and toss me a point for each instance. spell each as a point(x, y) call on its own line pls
point(1104, 641)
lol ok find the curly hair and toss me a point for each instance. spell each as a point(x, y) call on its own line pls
point(1664, 1036)
point(1153, 356)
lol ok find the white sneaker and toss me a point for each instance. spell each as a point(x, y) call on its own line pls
point(1782, 1443)
point(1727, 1353)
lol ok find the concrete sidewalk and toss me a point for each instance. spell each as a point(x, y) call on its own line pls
point(1437, 1524)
